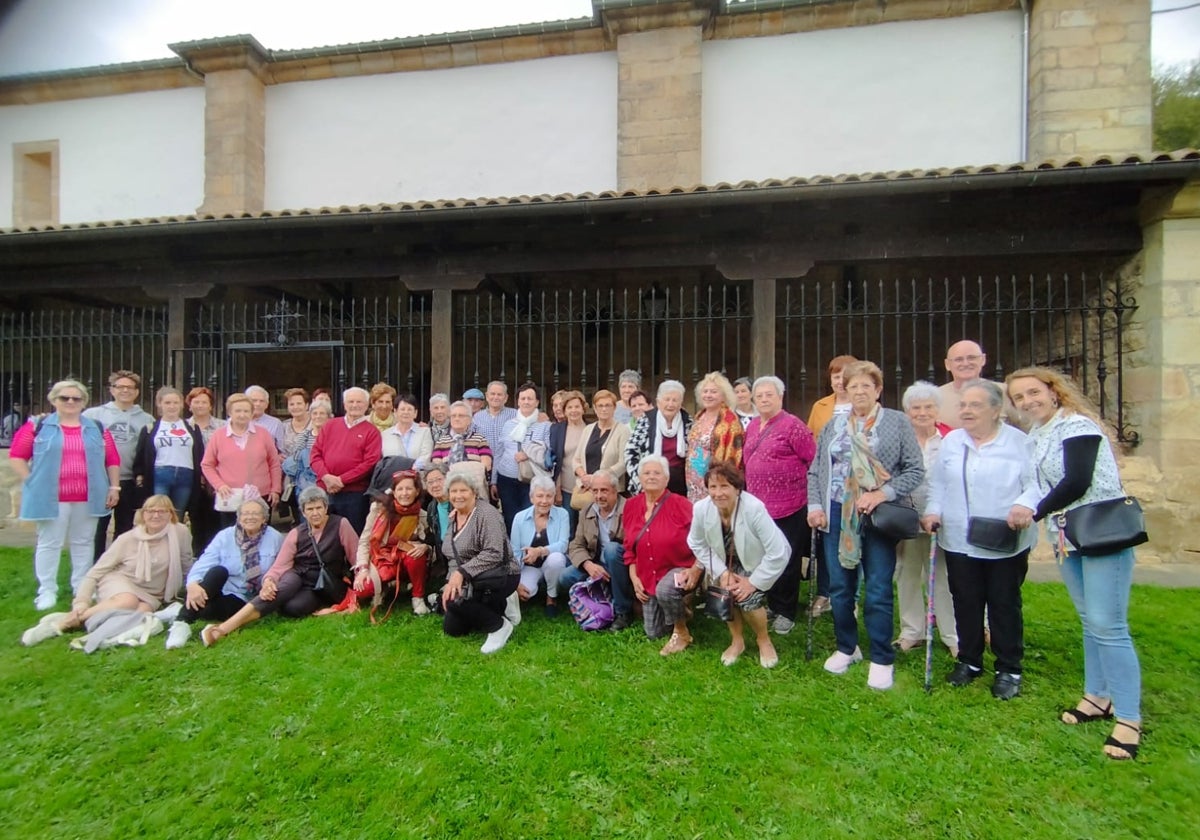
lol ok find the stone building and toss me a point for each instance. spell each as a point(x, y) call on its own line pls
point(649, 195)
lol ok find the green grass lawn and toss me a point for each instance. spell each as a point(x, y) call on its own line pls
point(331, 728)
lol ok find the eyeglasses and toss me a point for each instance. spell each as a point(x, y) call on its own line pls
point(958, 360)
point(66, 399)
point(124, 387)
point(155, 512)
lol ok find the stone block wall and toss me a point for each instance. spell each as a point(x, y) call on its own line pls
point(1089, 78)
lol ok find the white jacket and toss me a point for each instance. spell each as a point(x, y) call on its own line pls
point(760, 545)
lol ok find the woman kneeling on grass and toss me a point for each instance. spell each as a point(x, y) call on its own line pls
point(393, 547)
point(295, 585)
point(140, 570)
point(743, 551)
point(481, 591)
point(229, 571)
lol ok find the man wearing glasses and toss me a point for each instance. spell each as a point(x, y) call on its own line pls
point(124, 419)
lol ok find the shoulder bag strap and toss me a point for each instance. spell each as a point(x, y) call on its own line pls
point(657, 507)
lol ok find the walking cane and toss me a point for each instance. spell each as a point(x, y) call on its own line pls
point(812, 590)
point(929, 612)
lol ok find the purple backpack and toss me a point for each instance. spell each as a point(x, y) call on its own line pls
point(591, 604)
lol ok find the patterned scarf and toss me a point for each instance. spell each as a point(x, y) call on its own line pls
point(382, 425)
point(395, 528)
point(251, 561)
point(866, 473)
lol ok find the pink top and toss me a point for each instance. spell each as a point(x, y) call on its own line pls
point(72, 473)
point(286, 557)
point(227, 464)
point(776, 456)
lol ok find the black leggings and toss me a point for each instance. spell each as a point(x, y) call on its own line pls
point(219, 605)
point(293, 598)
point(483, 611)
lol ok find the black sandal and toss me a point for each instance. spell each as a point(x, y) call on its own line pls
point(1130, 749)
point(1079, 716)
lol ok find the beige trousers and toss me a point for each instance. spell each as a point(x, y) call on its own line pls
point(912, 573)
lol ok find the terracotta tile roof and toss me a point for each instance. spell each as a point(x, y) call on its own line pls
point(826, 185)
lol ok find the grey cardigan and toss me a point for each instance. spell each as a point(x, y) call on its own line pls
point(895, 446)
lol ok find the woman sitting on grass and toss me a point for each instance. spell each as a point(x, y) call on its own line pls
point(141, 569)
point(295, 585)
point(481, 591)
point(229, 571)
point(539, 541)
point(393, 547)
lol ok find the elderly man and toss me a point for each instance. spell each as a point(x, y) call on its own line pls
point(261, 400)
point(124, 419)
point(777, 452)
point(965, 360)
point(597, 550)
point(344, 454)
point(490, 421)
point(474, 398)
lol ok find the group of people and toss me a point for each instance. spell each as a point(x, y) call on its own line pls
point(484, 506)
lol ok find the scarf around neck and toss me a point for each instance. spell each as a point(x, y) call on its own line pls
point(382, 425)
point(251, 561)
point(667, 430)
point(143, 566)
point(866, 473)
point(521, 426)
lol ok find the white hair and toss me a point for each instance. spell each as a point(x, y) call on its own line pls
point(773, 381)
point(655, 459)
point(256, 389)
point(671, 385)
point(438, 398)
point(540, 482)
point(354, 389)
point(920, 391)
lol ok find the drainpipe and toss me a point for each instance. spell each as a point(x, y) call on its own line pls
point(1025, 81)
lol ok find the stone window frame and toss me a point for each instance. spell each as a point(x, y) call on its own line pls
point(35, 183)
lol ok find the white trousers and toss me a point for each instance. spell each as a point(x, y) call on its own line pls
point(912, 573)
point(77, 529)
point(552, 569)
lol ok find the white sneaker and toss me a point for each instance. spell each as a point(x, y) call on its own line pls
point(170, 612)
point(499, 638)
point(45, 601)
point(840, 662)
point(879, 677)
point(512, 610)
point(178, 635)
point(420, 607)
point(45, 629)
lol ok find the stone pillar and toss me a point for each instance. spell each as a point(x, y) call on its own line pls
point(658, 91)
point(441, 324)
point(235, 121)
point(181, 299)
point(1163, 379)
point(1089, 78)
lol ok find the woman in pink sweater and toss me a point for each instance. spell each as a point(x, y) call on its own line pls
point(241, 462)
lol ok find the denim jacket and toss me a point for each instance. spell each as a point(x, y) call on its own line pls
point(39, 493)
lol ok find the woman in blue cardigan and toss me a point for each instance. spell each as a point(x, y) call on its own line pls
point(539, 542)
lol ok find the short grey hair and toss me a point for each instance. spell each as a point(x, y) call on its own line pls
point(257, 389)
point(323, 404)
point(995, 394)
point(57, 388)
point(355, 389)
point(312, 494)
point(461, 404)
point(606, 476)
point(654, 459)
point(671, 385)
point(920, 391)
point(630, 375)
point(774, 381)
point(473, 482)
point(438, 398)
point(264, 508)
point(499, 382)
point(540, 482)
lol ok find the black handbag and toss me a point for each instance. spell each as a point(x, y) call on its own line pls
point(894, 520)
point(718, 603)
point(987, 532)
point(1105, 527)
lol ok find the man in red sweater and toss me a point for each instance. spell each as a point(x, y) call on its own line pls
point(344, 454)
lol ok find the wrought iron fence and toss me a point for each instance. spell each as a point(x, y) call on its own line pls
point(40, 348)
point(1073, 322)
point(583, 338)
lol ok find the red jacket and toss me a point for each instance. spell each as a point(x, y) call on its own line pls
point(349, 453)
point(664, 546)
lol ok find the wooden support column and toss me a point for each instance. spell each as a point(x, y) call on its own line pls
point(762, 353)
point(181, 307)
point(441, 325)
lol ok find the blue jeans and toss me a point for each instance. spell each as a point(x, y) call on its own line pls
point(175, 482)
point(878, 564)
point(612, 558)
point(1099, 588)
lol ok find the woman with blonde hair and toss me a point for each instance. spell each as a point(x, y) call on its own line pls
point(716, 433)
point(383, 406)
point(1074, 466)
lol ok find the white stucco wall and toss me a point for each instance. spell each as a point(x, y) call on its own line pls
point(120, 157)
point(864, 99)
point(530, 127)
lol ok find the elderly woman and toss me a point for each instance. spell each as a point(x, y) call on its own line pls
point(639, 404)
point(383, 402)
point(463, 448)
point(1070, 445)
point(564, 441)
point(297, 423)
point(439, 417)
point(229, 572)
point(982, 476)
point(539, 541)
point(628, 383)
point(661, 567)
point(662, 431)
point(437, 518)
point(871, 458)
point(298, 465)
point(519, 435)
point(602, 447)
point(200, 402)
point(922, 403)
point(405, 437)
point(481, 591)
point(716, 433)
point(836, 404)
point(169, 452)
point(205, 521)
point(141, 569)
point(70, 472)
point(309, 572)
point(742, 550)
point(241, 461)
point(743, 393)
point(394, 547)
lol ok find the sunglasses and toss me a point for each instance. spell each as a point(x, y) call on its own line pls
point(67, 399)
